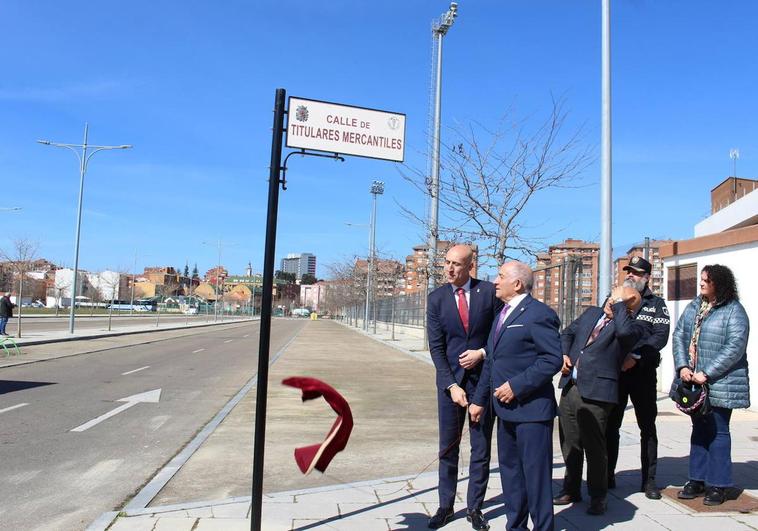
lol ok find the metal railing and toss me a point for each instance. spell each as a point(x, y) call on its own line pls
point(564, 296)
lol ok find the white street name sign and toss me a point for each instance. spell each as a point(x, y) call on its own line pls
point(344, 129)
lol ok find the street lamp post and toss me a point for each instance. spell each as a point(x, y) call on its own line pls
point(219, 287)
point(439, 30)
point(606, 179)
point(84, 159)
point(134, 279)
point(377, 188)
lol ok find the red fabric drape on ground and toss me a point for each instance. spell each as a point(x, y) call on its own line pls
point(319, 456)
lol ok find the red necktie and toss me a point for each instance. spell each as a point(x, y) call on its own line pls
point(463, 308)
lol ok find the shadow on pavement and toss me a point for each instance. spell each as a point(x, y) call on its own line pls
point(11, 386)
point(315, 525)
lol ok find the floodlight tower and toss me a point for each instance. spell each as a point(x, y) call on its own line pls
point(439, 30)
point(377, 188)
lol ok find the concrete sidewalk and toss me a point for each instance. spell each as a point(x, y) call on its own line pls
point(363, 489)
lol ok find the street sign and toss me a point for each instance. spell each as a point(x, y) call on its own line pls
point(344, 129)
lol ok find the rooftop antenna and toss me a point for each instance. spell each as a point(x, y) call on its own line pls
point(734, 154)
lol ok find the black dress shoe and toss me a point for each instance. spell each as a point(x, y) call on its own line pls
point(441, 517)
point(651, 490)
point(714, 496)
point(597, 506)
point(477, 519)
point(564, 498)
point(691, 490)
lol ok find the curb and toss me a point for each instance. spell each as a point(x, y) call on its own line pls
point(19, 362)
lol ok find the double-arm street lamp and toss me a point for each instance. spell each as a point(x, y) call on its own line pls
point(84, 158)
point(219, 285)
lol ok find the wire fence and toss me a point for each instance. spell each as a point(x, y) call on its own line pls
point(561, 286)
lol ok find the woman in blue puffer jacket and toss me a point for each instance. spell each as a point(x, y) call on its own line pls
point(709, 347)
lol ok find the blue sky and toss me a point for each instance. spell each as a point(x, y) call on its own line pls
point(191, 85)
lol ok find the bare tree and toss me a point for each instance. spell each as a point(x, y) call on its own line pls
point(61, 284)
point(346, 285)
point(489, 178)
point(21, 259)
point(110, 284)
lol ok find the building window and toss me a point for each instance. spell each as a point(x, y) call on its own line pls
point(682, 282)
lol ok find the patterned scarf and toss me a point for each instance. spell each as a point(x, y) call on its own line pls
point(705, 307)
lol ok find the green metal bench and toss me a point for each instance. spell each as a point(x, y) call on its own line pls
point(9, 352)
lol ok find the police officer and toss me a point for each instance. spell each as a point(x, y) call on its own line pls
point(638, 380)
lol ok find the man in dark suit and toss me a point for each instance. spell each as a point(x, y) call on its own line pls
point(459, 318)
point(594, 348)
point(639, 381)
point(523, 355)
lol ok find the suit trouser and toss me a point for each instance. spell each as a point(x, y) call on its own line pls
point(3, 323)
point(451, 420)
point(525, 452)
point(582, 431)
point(639, 383)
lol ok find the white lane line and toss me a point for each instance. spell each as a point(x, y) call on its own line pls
point(13, 407)
point(228, 341)
point(135, 370)
point(198, 350)
point(246, 335)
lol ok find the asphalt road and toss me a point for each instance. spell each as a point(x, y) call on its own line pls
point(31, 325)
point(56, 478)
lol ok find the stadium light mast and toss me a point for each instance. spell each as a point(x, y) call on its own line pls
point(439, 30)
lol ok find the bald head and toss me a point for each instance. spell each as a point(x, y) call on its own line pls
point(459, 261)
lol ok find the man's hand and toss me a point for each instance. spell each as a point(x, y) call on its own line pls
point(685, 374)
point(504, 393)
point(475, 412)
point(458, 395)
point(567, 365)
point(699, 378)
point(629, 362)
point(470, 358)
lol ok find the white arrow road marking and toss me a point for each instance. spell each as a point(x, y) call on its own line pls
point(228, 341)
point(135, 370)
point(246, 335)
point(198, 350)
point(13, 407)
point(148, 396)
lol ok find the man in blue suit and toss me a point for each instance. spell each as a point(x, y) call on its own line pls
point(523, 355)
point(459, 318)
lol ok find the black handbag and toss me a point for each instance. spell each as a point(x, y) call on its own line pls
point(690, 398)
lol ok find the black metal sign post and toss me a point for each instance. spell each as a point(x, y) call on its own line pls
point(266, 304)
point(277, 176)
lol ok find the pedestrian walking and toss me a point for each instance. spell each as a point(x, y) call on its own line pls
point(6, 311)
